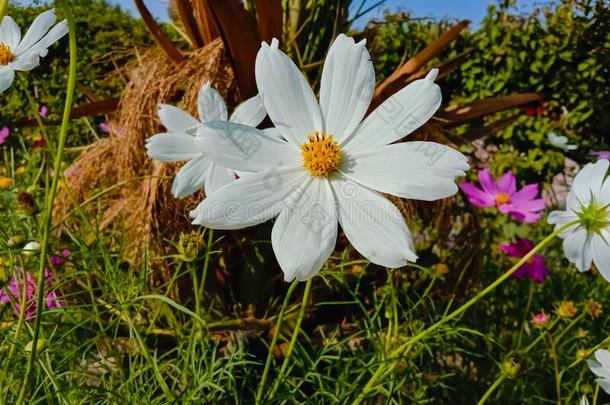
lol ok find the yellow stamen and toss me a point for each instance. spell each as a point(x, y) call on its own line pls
point(502, 198)
point(6, 55)
point(321, 155)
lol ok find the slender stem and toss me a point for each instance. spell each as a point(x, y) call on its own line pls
point(491, 389)
point(525, 313)
point(591, 350)
point(410, 342)
point(51, 201)
point(206, 262)
point(3, 8)
point(293, 340)
point(278, 326)
point(554, 357)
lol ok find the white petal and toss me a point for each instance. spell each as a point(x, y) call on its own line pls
point(598, 369)
point(577, 249)
point(7, 75)
point(10, 33)
point(273, 132)
point(399, 115)
point(604, 194)
point(251, 199)
point(218, 176)
point(176, 120)
point(36, 32)
point(600, 246)
point(240, 147)
point(305, 233)
point(417, 170)
point(287, 96)
point(25, 62)
point(191, 177)
point(604, 383)
point(587, 183)
point(373, 225)
point(603, 357)
point(173, 147)
point(250, 112)
point(55, 34)
point(348, 83)
point(210, 104)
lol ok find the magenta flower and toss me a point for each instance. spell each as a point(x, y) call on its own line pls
point(522, 204)
point(106, 127)
point(602, 154)
point(535, 268)
point(541, 320)
point(59, 258)
point(15, 289)
point(43, 111)
point(4, 133)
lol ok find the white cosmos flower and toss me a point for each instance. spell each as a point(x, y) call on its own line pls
point(560, 142)
point(331, 166)
point(177, 144)
point(588, 202)
point(23, 54)
point(601, 368)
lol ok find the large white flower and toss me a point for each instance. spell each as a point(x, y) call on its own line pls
point(601, 368)
point(178, 144)
point(331, 166)
point(588, 202)
point(17, 54)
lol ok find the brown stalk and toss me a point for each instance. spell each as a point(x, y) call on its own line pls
point(397, 79)
point(241, 39)
point(455, 115)
point(156, 32)
point(269, 14)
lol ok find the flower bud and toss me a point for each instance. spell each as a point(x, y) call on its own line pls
point(15, 241)
point(511, 367)
point(31, 248)
point(41, 344)
point(567, 309)
point(541, 320)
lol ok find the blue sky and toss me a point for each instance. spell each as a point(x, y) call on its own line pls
point(473, 10)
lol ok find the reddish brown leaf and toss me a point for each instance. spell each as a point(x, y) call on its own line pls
point(187, 16)
point(396, 81)
point(241, 39)
point(205, 19)
point(156, 32)
point(269, 13)
point(97, 107)
point(455, 115)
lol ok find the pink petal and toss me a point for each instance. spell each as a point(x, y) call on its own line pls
point(4, 133)
point(507, 183)
point(487, 182)
point(527, 217)
point(528, 192)
point(476, 196)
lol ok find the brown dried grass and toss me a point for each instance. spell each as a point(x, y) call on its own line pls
point(138, 200)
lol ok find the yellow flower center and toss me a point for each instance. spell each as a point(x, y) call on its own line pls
point(321, 155)
point(502, 198)
point(6, 55)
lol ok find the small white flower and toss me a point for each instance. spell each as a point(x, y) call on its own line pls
point(17, 54)
point(584, 400)
point(601, 368)
point(588, 202)
point(560, 142)
point(178, 144)
point(332, 166)
point(31, 248)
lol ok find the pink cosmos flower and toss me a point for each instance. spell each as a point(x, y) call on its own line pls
point(535, 268)
point(106, 127)
point(43, 111)
point(59, 258)
point(522, 204)
point(602, 154)
point(541, 320)
point(4, 133)
point(15, 289)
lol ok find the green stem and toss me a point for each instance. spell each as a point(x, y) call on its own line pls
point(526, 313)
point(3, 8)
point(591, 350)
point(278, 326)
point(206, 262)
point(554, 357)
point(397, 353)
point(293, 340)
point(50, 203)
point(491, 389)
